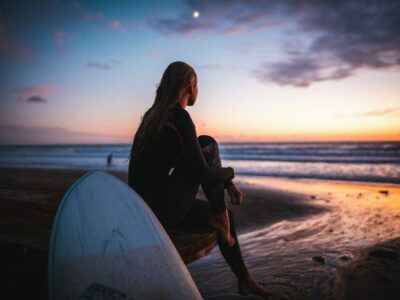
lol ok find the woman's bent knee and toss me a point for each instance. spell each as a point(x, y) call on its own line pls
point(205, 140)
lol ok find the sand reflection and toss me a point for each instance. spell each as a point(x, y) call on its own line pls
point(298, 254)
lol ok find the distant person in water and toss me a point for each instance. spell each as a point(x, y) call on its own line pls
point(109, 159)
point(169, 162)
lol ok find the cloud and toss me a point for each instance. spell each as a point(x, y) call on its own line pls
point(302, 71)
point(105, 66)
point(17, 134)
point(185, 27)
point(390, 111)
point(35, 93)
point(12, 47)
point(98, 65)
point(100, 18)
point(116, 25)
point(382, 112)
point(344, 36)
point(61, 38)
point(85, 14)
point(224, 16)
point(351, 36)
point(36, 99)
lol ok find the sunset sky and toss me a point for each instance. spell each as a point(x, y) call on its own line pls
point(85, 71)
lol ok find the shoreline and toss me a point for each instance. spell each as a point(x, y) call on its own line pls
point(303, 256)
point(282, 226)
point(237, 176)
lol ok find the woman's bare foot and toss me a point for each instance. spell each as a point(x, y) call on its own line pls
point(221, 223)
point(235, 194)
point(250, 286)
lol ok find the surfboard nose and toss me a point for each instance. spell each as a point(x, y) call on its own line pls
point(105, 233)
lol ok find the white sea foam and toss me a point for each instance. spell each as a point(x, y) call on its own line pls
point(353, 161)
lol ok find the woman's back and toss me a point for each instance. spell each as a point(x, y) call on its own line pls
point(150, 169)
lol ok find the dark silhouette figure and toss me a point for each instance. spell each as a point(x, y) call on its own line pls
point(169, 162)
point(109, 159)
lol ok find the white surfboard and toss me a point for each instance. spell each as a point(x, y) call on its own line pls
point(106, 243)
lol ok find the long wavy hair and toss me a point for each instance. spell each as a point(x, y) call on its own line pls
point(176, 78)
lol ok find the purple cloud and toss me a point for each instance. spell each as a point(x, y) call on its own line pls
point(116, 25)
point(302, 71)
point(36, 99)
point(352, 35)
point(346, 36)
point(62, 38)
point(35, 93)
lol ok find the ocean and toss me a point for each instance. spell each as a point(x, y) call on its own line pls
point(345, 161)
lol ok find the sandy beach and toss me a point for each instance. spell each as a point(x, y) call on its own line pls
point(305, 239)
point(313, 239)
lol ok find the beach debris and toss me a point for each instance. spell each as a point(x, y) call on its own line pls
point(345, 257)
point(384, 192)
point(319, 259)
point(313, 197)
point(384, 253)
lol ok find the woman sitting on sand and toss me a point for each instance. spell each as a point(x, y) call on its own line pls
point(169, 162)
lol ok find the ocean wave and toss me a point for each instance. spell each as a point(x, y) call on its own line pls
point(350, 161)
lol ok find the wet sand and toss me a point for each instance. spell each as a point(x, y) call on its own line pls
point(318, 244)
point(305, 239)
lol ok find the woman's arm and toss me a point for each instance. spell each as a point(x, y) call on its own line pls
point(194, 157)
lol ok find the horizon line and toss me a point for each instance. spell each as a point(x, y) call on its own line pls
point(220, 142)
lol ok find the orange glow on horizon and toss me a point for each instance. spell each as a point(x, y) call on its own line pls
point(312, 137)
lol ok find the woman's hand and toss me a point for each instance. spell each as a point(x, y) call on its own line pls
point(235, 194)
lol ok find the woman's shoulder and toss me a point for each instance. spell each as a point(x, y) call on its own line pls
point(179, 110)
point(180, 116)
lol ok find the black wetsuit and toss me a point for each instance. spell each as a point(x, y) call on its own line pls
point(167, 176)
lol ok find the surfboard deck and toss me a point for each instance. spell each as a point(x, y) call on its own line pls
point(106, 243)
